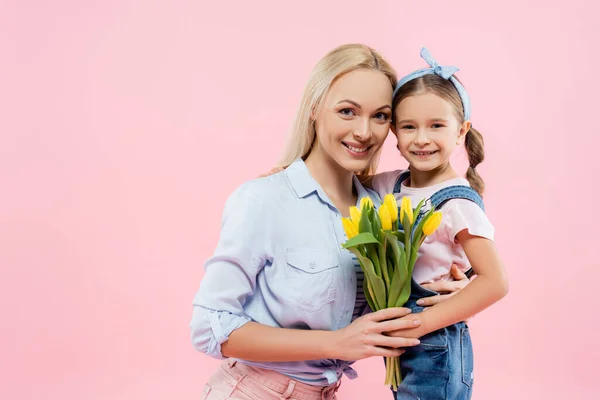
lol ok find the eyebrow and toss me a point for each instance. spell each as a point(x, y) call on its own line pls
point(431, 120)
point(359, 106)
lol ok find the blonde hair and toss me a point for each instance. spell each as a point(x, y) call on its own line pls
point(446, 90)
point(339, 61)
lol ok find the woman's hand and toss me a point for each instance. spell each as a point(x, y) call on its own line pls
point(367, 336)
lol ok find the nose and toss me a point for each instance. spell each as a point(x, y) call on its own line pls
point(422, 138)
point(363, 131)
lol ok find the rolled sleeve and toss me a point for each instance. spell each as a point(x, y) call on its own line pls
point(231, 272)
point(210, 328)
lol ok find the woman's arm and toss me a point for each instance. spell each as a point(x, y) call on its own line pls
point(490, 286)
point(220, 328)
point(363, 338)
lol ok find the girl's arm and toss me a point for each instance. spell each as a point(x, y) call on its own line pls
point(448, 288)
point(490, 286)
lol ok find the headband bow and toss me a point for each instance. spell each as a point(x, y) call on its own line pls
point(445, 72)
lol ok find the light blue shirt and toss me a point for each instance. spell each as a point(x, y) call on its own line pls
point(279, 262)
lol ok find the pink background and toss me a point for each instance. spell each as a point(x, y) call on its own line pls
point(124, 125)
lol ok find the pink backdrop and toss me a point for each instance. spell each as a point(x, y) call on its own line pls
point(124, 125)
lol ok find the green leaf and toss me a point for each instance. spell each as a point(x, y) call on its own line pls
point(413, 258)
point(404, 294)
point(361, 238)
point(400, 235)
point(376, 224)
point(418, 209)
point(373, 255)
point(364, 224)
point(418, 233)
point(383, 263)
point(368, 294)
point(395, 288)
point(399, 273)
point(407, 234)
point(376, 283)
point(406, 224)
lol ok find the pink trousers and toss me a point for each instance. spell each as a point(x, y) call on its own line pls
point(235, 380)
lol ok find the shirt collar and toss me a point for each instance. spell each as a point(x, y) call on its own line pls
point(360, 190)
point(300, 178)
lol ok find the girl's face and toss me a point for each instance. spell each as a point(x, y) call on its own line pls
point(354, 119)
point(428, 130)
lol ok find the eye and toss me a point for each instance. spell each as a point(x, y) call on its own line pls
point(347, 112)
point(407, 127)
point(382, 116)
point(437, 126)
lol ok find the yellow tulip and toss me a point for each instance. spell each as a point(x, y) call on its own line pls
point(355, 214)
point(386, 220)
point(366, 200)
point(350, 228)
point(406, 209)
point(389, 201)
point(432, 223)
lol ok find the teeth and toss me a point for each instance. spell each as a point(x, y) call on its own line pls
point(357, 149)
point(423, 153)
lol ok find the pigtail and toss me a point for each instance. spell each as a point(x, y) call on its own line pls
point(474, 146)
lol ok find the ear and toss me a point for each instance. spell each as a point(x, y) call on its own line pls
point(462, 134)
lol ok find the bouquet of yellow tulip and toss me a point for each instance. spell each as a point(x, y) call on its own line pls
point(387, 255)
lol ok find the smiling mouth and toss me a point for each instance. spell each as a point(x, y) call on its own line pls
point(424, 153)
point(357, 150)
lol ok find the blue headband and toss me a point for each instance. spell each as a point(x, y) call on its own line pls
point(444, 72)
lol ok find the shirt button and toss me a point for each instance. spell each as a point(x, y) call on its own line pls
point(312, 265)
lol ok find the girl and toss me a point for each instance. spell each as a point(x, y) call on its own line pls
point(431, 118)
point(279, 297)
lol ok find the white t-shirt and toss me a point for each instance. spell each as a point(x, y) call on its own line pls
point(440, 250)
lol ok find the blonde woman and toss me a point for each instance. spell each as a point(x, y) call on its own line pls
point(280, 300)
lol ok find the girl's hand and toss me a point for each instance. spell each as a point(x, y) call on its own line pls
point(447, 288)
point(367, 336)
point(272, 171)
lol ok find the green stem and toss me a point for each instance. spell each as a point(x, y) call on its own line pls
point(388, 376)
point(398, 373)
point(375, 260)
point(383, 264)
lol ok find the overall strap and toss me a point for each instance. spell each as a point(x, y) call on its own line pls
point(401, 178)
point(441, 197)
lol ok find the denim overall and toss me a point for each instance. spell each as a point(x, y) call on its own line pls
point(441, 367)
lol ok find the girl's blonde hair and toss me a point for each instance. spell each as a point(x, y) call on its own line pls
point(446, 90)
point(339, 61)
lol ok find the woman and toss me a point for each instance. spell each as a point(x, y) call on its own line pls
point(279, 297)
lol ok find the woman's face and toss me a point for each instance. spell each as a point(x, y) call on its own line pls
point(354, 119)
